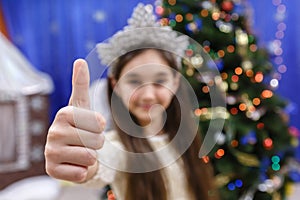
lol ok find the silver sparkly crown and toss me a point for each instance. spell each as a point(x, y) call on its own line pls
point(142, 31)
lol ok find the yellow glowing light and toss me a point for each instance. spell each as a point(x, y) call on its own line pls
point(224, 86)
point(205, 159)
point(241, 37)
point(172, 2)
point(179, 18)
point(249, 73)
point(230, 49)
point(256, 101)
point(253, 47)
point(267, 94)
point(215, 16)
point(234, 86)
point(197, 60)
point(224, 75)
point(259, 77)
point(220, 152)
point(189, 17)
point(198, 112)
point(205, 89)
point(204, 110)
point(164, 22)
point(251, 108)
point(238, 71)
point(190, 72)
point(204, 13)
point(221, 53)
point(211, 83)
point(242, 107)
point(234, 143)
point(192, 26)
point(247, 65)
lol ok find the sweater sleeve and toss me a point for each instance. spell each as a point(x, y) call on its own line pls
point(108, 159)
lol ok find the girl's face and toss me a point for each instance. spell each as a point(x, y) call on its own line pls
point(146, 86)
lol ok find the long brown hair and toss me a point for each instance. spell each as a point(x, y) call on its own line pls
point(150, 185)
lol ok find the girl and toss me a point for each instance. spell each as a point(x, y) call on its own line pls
point(152, 150)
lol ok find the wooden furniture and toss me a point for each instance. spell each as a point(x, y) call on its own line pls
point(24, 123)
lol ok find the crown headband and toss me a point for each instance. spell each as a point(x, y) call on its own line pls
point(142, 31)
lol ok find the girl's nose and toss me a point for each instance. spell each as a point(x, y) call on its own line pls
point(148, 91)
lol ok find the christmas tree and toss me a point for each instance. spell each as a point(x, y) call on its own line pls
point(253, 151)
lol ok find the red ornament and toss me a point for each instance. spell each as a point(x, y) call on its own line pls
point(189, 52)
point(227, 6)
point(268, 143)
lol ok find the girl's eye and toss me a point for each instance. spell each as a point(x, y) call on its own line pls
point(134, 82)
point(160, 82)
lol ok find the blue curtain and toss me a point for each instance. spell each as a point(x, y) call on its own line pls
point(52, 34)
point(279, 21)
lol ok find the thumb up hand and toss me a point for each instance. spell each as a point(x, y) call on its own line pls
point(75, 134)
